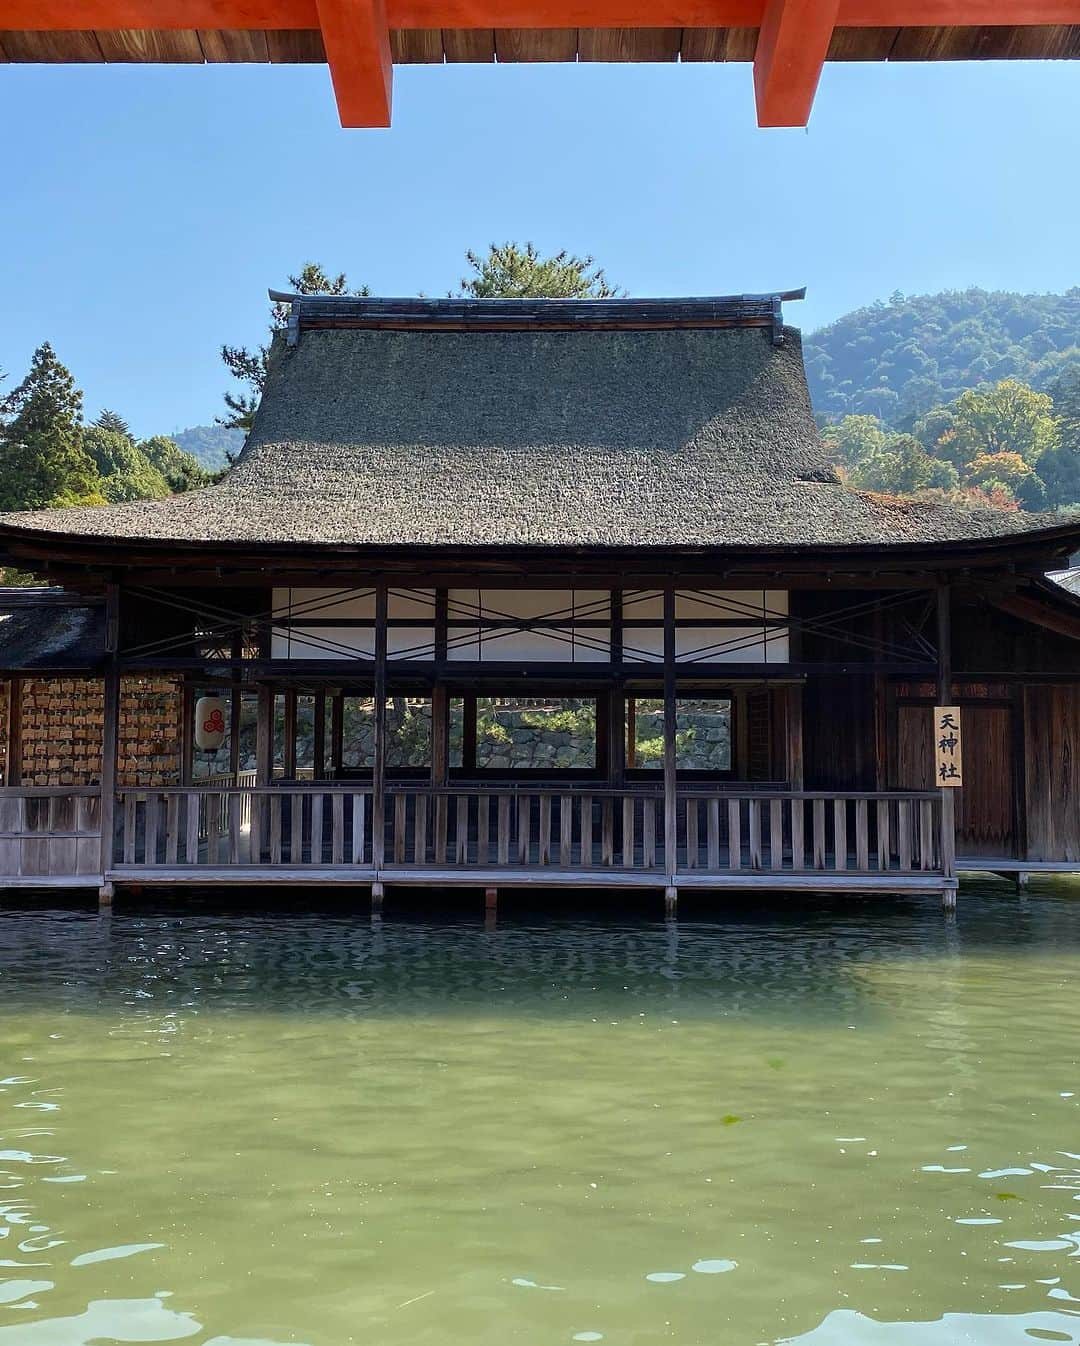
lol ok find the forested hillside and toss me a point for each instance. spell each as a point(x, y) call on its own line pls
point(210, 444)
point(896, 360)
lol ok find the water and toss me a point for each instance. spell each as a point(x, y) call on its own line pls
point(856, 1125)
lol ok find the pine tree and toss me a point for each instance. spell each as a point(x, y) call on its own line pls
point(249, 366)
point(114, 424)
point(42, 460)
point(510, 271)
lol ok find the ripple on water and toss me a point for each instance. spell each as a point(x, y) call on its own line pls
point(664, 1277)
point(713, 1266)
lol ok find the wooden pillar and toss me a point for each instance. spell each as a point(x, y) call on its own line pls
point(319, 745)
point(109, 741)
point(234, 733)
point(671, 892)
point(440, 735)
point(289, 753)
point(945, 696)
point(13, 746)
point(264, 737)
point(794, 729)
point(378, 774)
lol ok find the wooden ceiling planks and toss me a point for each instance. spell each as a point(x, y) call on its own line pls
point(862, 44)
point(71, 47)
point(416, 46)
point(718, 44)
point(536, 44)
point(629, 44)
point(142, 46)
point(231, 45)
point(288, 46)
point(472, 45)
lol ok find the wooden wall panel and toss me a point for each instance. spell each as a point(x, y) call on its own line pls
point(1052, 761)
point(984, 806)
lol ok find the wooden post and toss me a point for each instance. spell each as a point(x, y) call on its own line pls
point(13, 747)
point(794, 727)
point(109, 742)
point(440, 735)
point(671, 891)
point(234, 733)
point(945, 696)
point(378, 773)
point(319, 747)
point(264, 738)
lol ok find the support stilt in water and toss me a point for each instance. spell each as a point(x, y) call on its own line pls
point(105, 898)
point(948, 897)
point(1023, 878)
point(671, 902)
point(377, 894)
point(491, 901)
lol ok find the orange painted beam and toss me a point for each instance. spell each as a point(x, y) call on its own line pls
point(792, 44)
point(357, 40)
point(256, 15)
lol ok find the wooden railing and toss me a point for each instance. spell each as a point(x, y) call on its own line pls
point(525, 828)
point(48, 832)
point(292, 826)
point(461, 828)
point(806, 832)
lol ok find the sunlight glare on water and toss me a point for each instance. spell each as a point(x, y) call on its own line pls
point(850, 1126)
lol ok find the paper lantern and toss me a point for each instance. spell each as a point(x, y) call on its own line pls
point(210, 728)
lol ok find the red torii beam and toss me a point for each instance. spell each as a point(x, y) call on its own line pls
point(792, 44)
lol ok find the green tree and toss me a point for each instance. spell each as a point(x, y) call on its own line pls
point(902, 467)
point(854, 438)
point(181, 471)
point(1059, 472)
point(126, 473)
point(114, 423)
point(1007, 417)
point(1008, 472)
point(510, 271)
point(42, 459)
point(249, 366)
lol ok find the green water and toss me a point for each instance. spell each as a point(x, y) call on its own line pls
point(857, 1125)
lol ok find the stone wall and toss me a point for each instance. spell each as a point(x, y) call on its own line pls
point(61, 723)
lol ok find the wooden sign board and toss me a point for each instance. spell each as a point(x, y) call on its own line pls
point(948, 747)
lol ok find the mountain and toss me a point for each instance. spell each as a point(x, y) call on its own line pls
point(209, 443)
point(898, 359)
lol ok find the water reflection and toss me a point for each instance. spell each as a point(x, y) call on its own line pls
point(855, 1125)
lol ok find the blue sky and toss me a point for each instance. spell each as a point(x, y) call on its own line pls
point(145, 210)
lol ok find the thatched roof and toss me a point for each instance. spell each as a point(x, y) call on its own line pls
point(648, 427)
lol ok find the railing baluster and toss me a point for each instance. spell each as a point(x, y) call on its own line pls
point(400, 804)
point(926, 834)
point(884, 850)
point(483, 829)
point(442, 826)
point(862, 836)
point(566, 831)
point(358, 811)
point(903, 810)
point(648, 832)
point(629, 841)
point(317, 828)
point(755, 833)
point(607, 832)
point(275, 826)
point(819, 833)
point(734, 817)
point(233, 806)
point(192, 804)
point(776, 834)
point(213, 827)
point(420, 829)
point(712, 827)
point(840, 855)
point(585, 815)
point(172, 829)
point(503, 841)
point(337, 828)
point(691, 825)
point(296, 829)
point(544, 846)
point(129, 827)
point(461, 831)
point(798, 836)
point(524, 826)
